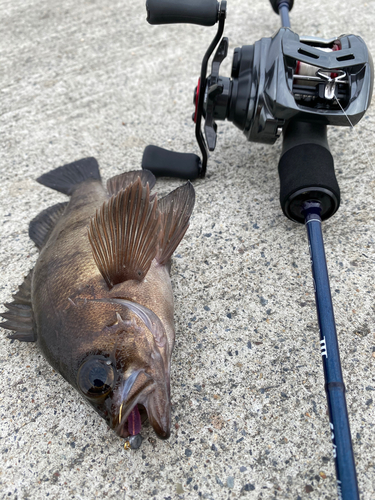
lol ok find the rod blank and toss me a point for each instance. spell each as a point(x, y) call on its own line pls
point(334, 383)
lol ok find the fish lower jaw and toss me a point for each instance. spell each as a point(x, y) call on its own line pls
point(164, 435)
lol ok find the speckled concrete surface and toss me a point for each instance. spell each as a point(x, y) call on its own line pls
point(93, 78)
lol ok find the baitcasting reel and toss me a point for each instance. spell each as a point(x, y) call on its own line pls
point(276, 83)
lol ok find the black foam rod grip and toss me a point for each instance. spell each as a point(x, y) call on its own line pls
point(276, 4)
point(306, 171)
point(164, 163)
point(203, 12)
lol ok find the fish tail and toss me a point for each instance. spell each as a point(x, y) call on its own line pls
point(66, 178)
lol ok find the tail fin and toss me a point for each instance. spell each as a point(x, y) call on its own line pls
point(67, 177)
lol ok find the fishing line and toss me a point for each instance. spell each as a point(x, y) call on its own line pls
point(357, 134)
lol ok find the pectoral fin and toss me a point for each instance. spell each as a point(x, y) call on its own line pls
point(124, 234)
point(176, 209)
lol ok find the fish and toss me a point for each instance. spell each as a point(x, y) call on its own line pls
point(99, 301)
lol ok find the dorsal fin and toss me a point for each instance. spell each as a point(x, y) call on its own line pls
point(176, 209)
point(119, 182)
point(65, 179)
point(40, 228)
point(19, 316)
point(124, 234)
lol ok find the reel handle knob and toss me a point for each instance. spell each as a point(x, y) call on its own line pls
point(204, 13)
point(276, 4)
point(164, 163)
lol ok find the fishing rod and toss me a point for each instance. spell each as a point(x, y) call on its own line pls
point(292, 86)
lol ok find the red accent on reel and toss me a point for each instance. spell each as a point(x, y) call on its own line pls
point(197, 99)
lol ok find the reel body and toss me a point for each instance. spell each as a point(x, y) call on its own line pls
point(288, 77)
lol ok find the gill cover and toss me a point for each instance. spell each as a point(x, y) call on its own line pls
point(149, 388)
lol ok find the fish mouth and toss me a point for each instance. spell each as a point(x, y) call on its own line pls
point(142, 397)
point(131, 424)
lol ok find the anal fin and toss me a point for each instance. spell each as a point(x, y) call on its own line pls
point(42, 225)
point(124, 234)
point(19, 316)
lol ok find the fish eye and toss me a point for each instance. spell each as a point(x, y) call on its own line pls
point(96, 378)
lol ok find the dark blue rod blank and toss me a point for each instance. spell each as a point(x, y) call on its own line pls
point(340, 432)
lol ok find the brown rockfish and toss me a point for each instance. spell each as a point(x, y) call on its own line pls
point(99, 300)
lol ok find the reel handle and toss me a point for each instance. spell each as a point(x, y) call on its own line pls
point(204, 13)
point(169, 163)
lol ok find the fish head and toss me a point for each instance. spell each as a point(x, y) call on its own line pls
point(126, 377)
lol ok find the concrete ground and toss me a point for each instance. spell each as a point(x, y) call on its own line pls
point(92, 78)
